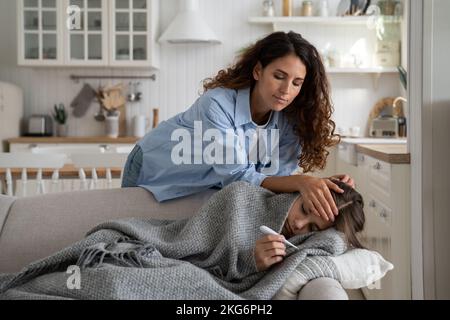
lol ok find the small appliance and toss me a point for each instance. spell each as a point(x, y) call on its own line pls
point(39, 125)
point(384, 127)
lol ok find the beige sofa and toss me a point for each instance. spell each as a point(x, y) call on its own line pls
point(35, 227)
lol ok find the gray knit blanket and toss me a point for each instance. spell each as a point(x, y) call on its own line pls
point(208, 256)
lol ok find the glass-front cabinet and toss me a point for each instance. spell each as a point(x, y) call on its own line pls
point(86, 36)
point(118, 33)
point(40, 32)
point(133, 26)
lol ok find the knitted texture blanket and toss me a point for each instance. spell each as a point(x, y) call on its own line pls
point(208, 256)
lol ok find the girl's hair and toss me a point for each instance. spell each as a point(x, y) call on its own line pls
point(310, 112)
point(350, 219)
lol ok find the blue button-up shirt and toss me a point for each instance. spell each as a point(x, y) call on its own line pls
point(204, 147)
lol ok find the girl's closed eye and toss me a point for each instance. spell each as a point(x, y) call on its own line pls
point(304, 211)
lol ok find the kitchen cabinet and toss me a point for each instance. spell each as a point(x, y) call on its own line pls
point(79, 147)
point(87, 44)
point(385, 188)
point(133, 26)
point(72, 144)
point(114, 33)
point(40, 32)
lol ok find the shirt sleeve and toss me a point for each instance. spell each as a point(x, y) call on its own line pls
point(216, 120)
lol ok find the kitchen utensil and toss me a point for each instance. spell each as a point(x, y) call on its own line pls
point(140, 125)
point(155, 118)
point(135, 95)
point(99, 116)
point(267, 230)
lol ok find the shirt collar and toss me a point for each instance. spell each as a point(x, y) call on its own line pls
point(242, 114)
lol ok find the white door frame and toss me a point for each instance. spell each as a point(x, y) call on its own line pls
point(420, 144)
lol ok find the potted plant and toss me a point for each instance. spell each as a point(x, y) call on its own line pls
point(60, 116)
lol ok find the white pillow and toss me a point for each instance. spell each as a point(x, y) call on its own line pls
point(357, 268)
point(360, 268)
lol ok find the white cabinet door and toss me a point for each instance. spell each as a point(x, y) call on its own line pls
point(387, 230)
point(86, 42)
point(82, 32)
point(133, 31)
point(40, 32)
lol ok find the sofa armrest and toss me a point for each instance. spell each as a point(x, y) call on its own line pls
point(322, 289)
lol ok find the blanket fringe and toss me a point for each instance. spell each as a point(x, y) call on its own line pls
point(123, 252)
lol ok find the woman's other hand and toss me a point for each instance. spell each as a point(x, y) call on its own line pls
point(269, 250)
point(344, 178)
point(317, 198)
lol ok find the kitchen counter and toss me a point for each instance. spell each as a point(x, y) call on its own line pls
point(390, 153)
point(68, 171)
point(99, 139)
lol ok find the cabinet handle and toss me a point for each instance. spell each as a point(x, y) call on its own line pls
point(383, 214)
point(377, 166)
point(105, 147)
point(32, 146)
point(372, 204)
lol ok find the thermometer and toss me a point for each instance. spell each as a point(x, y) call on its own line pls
point(267, 230)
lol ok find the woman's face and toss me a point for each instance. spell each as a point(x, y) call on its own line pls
point(280, 81)
point(299, 221)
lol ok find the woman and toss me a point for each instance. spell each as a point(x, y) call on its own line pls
point(271, 249)
point(277, 93)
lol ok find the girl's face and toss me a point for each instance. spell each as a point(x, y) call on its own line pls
point(280, 81)
point(299, 221)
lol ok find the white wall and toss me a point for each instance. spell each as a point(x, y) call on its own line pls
point(182, 68)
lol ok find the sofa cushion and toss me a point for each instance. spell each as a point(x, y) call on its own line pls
point(39, 226)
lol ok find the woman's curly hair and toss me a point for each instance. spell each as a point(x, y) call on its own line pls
point(310, 112)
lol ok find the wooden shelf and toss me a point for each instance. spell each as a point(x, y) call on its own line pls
point(373, 70)
point(361, 20)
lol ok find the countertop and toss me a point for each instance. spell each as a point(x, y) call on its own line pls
point(67, 171)
point(390, 153)
point(99, 139)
